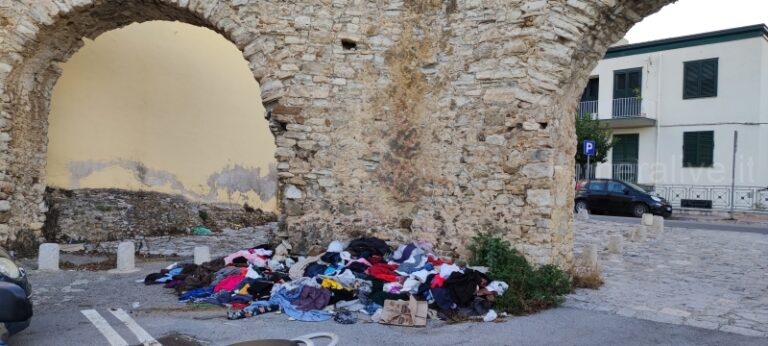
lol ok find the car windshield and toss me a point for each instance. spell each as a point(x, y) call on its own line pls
point(635, 187)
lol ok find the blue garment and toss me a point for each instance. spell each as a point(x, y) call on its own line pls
point(372, 308)
point(333, 269)
point(196, 293)
point(414, 264)
point(443, 298)
point(284, 299)
point(169, 275)
point(225, 297)
point(405, 255)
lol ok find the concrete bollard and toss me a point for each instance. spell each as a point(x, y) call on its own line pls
point(658, 224)
point(639, 234)
point(126, 258)
point(616, 244)
point(647, 220)
point(202, 254)
point(583, 214)
point(589, 257)
point(48, 257)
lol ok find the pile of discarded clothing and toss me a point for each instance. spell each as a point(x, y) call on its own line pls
point(366, 276)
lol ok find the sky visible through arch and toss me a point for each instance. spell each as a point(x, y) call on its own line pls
point(687, 17)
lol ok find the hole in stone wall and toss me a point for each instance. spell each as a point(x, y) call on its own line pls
point(161, 109)
point(544, 125)
point(348, 44)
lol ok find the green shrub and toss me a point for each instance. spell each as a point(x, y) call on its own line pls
point(203, 215)
point(530, 289)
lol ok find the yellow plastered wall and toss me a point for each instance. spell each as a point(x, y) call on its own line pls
point(166, 107)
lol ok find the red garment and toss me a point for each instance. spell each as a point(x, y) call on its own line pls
point(229, 283)
point(436, 261)
point(438, 281)
point(383, 272)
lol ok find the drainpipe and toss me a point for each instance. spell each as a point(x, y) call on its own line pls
point(658, 116)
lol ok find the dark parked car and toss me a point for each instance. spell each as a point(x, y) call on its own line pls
point(620, 197)
point(15, 306)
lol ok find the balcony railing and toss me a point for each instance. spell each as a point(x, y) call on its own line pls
point(627, 107)
point(625, 172)
point(581, 175)
point(588, 109)
point(745, 198)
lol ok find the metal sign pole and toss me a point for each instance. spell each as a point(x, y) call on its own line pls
point(589, 168)
point(733, 169)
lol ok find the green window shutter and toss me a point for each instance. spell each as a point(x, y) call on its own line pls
point(700, 78)
point(706, 148)
point(690, 149)
point(691, 80)
point(708, 78)
point(698, 149)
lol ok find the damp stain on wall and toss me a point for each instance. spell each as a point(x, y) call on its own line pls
point(234, 183)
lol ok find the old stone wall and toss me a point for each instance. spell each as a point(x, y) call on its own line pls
point(95, 215)
point(403, 119)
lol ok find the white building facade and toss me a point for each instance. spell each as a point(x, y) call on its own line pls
point(674, 106)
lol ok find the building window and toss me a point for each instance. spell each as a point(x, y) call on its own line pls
point(592, 90)
point(700, 79)
point(627, 93)
point(698, 148)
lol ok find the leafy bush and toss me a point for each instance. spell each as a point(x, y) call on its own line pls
point(530, 289)
point(203, 215)
point(591, 279)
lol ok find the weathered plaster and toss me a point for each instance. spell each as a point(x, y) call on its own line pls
point(230, 180)
point(446, 119)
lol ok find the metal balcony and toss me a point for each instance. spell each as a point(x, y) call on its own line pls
point(628, 107)
point(625, 172)
point(588, 109)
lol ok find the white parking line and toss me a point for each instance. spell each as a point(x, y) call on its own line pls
point(103, 326)
point(144, 337)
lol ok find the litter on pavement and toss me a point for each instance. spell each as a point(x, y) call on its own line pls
point(403, 286)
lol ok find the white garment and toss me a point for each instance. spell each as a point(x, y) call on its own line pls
point(336, 246)
point(497, 286)
point(252, 274)
point(422, 275)
point(411, 285)
point(490, 316)
point(447, 269)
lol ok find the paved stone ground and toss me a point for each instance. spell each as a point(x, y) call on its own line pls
point(61, 296)
point(706, 279)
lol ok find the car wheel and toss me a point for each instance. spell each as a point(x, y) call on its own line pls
point(580, 205)
point(639, 209)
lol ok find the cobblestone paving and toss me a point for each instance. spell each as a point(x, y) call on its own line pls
point(706, 279)
point(220, 244)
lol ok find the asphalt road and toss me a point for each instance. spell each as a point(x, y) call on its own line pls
point(62, 297)
point(699, 225)
point(554, 327)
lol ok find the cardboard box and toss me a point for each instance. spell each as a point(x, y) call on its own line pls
point(411, 313)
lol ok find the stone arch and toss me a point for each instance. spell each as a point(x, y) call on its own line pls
point(413, 119)
point(48, 33)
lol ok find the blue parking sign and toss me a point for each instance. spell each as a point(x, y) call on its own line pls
point(590, 149)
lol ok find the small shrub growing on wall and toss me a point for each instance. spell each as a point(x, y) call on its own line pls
point(530, 289)
point(203, 215)
point(591, 279)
